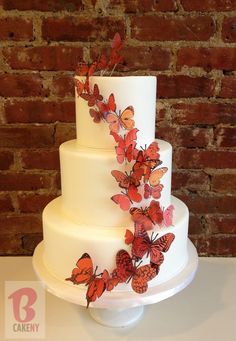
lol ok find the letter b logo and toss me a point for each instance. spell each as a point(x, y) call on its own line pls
point(23, 312)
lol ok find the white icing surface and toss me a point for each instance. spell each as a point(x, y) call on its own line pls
point(138, 91)
point(66, 241)
point(87, 184)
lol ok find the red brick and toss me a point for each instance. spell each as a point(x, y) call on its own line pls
point(21, 85)
point(33, 203)
point(39, 111)
point(186, 137)
point(225, 137)
point(63, 86)
point(220, 58)
point(191, 180)
point(40, 159)
point(222, 224)
point(198, 159)
point(148, 28)
point(184, 86)
point(16, 28)
point(229, 30)
point(27, 136)
point(224, 183)
point(10, 245)
point(196, 225)
point(222, 246)
point(30, 241)
point(6, 203)
point(134, 6)
point(64, 132)
point(39, 5)
point(204, 113)
point(143, 58)
point(208, 5)
point(228, 87)
point(49, 58)
point(209, 204)
point(20, 224)
point(20, 181)
point(6, 159)
point(215, 246)
point(81, 29)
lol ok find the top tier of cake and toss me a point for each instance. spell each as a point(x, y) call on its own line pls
point(136, 91)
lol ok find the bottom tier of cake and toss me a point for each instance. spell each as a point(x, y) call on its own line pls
point(65, 241)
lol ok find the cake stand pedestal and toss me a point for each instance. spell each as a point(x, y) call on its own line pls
point(116, 308)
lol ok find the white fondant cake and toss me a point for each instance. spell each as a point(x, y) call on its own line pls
point(85, 219)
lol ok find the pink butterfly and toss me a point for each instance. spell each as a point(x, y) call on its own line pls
point(168, 216)
point(154, 192)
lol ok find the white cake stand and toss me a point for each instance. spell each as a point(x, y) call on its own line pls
point(116, 308)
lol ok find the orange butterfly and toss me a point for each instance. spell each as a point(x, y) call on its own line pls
point(124, 120)
point(140, 276)
point(142, 244)
point(126, 145)
point(156, 175)
point(84, 274)
point(148, 216)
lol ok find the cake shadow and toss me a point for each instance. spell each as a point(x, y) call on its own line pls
point(175, 315)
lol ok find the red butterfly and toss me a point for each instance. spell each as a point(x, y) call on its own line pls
point(140, 276)
point(126, 199)
point(84, 69)
point(110, 281)
point(126, 145)
point(168, 216)
point(125, 180)
point(154, 192)
point(81, 86)
point(145, 163)
point(84, 274)
point(106, 108)
point(96, 115)
point(142, 244)
point(148, 216)
point(92, 96)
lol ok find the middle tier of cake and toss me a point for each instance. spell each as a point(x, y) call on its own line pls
point(87, 184)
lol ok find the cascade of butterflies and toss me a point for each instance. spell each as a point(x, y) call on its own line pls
point(141, 183)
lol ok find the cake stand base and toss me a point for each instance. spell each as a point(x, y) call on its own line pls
point(116, 308)
point(116, 318)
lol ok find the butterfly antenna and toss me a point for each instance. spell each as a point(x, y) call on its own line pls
point(155, 238)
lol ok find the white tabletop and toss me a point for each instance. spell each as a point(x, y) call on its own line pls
point(206, 310)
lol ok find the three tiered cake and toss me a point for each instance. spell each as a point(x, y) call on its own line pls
point(139, 235)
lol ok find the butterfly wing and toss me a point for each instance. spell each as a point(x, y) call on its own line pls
point(121, 178)
point(142, 276)
point(156, 176)
point(139, 216)
point(129, 237)
point(164, 242)
point(113, 121)
point(84, 270)
point(133, 194)
point(152, 151)
point(122, 200)
point(96, 115)
point(110, 282)
point(155, 213)
point(126, 118)
point(124, 265)
point(95, 289)
point(168, 215)
point(112, 103)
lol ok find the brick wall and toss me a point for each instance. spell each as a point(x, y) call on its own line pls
point(190, 45)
